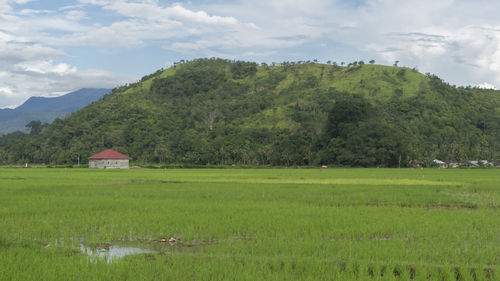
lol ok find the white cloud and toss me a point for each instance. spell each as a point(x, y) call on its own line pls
point(257, 55)
point(5, 91)
point(150, 10)
point(21, 1)
point(456, 39)
point(4, 6)
point(72, 7)
point(94, 2)
point(28, 64)
point(122, 34)
point(75, 15)
point(12, 52)
point(27, 12)
point(145, 23)
point(486, 85)
point(178, 28)
point(46, 67)
point(177, 11)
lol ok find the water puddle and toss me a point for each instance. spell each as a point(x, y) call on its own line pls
point(114, 252)
point(118, 250)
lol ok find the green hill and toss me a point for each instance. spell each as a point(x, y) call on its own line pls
point(213, 111)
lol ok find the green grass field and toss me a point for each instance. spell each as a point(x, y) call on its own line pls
point(251, 224)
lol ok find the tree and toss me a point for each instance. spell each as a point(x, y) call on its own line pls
point(347, 111)
point(396, 63)
point(210, 117)
point(35, 127)
point(372, 61)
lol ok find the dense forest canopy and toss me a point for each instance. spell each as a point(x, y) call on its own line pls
point(214, 111)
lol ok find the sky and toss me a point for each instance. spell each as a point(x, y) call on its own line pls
point(48, 48)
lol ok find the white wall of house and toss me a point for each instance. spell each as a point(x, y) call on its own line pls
point(109, 163)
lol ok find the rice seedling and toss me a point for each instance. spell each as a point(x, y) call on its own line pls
point(241, 224)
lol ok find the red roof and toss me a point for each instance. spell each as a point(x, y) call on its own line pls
point(109, 154)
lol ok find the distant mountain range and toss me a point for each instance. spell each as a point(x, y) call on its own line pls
point(47, 109)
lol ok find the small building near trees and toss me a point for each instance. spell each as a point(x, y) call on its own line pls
point(109, 159)
point(440, 163)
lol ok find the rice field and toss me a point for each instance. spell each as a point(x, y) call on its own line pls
point(249, 224)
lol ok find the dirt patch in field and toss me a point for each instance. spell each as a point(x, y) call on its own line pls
point(125, 182)
point(243, 238)
point(385, 237)
point(174, 182)
point(381, 237)
point(450, 207)
point(178, 244)
point(427, 207)
point(13, 179)
point(140, 181)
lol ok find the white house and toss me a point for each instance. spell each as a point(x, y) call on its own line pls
point(109, 159)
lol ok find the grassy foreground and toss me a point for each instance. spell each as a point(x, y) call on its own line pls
point(232, 224)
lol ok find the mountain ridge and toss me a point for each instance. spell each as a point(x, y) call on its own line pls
point(46, 109)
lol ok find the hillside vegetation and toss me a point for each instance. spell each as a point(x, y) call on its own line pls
point(213, 111)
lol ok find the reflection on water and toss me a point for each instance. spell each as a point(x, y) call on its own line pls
point(114, 252)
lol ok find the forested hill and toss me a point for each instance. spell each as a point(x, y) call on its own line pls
point(213, 111)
